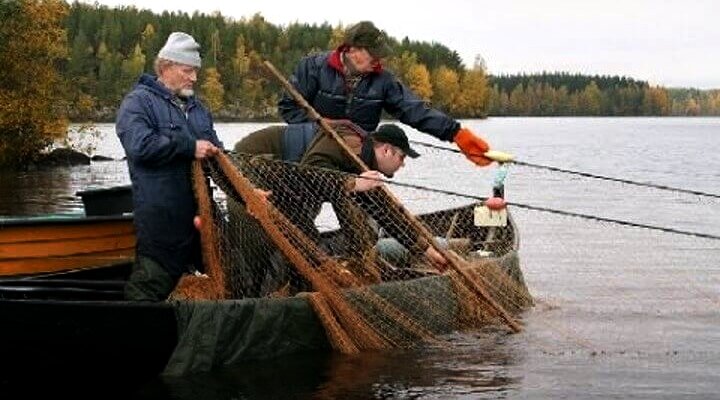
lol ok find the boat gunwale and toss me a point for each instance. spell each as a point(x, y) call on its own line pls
point(62, 219)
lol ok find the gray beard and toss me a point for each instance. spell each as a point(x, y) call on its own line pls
point(350, 70)
point(185, 93)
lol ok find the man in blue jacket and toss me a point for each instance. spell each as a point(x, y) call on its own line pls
point(351, 83)
point(163, 128)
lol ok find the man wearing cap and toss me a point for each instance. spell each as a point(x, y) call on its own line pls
point(300, 192)
point(163, 127)
point(351, 83)
point(384, 152)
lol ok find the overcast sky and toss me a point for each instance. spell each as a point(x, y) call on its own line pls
point(671, 43)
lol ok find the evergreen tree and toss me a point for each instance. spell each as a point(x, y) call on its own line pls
point(150, 44)
point(103, 59)
point(108, 73)
point(518, 104)
point(132, 68)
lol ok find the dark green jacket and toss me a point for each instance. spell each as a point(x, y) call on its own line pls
point(324, 152)
point(311, 189)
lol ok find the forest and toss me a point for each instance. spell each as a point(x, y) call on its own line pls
point(74, 62)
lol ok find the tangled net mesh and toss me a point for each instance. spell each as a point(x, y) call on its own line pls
point(359, 258)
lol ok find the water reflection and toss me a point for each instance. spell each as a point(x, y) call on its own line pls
point(52, 190)
point(473, 366)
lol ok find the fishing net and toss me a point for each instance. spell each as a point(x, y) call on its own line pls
point(359, 258)
point(603, 285)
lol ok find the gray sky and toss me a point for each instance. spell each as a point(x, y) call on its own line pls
point(669, 43)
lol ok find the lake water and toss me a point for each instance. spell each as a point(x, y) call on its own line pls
point(621, 312)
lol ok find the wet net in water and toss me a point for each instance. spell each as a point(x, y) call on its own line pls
point(369, 280)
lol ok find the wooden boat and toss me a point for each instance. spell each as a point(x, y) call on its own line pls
point(103, 236)
point(74, 325)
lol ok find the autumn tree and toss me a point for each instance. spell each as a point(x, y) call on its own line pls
point(212, 90)
point(400, 64)
point(150, 43)
point(692, 108)
point(656, 101)
point(103, 65)
point(590, 99)
point(446, 88)
point(336, 37)
point(418, 80)
point(474, 92)
point(32, 41)
point(412, 73)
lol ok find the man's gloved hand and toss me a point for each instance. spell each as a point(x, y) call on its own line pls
point(473, 147)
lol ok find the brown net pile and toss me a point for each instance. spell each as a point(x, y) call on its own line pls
point(211, 285)
point(360, 258)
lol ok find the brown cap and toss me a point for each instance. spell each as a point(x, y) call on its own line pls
point(364, 34)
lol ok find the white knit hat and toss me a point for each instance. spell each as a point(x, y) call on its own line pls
point(181, 48)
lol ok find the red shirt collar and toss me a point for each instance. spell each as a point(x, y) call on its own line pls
point(335, 62)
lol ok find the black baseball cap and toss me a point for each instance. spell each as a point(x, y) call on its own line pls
point(394, 135)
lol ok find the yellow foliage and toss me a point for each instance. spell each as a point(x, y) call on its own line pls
point(336, 37)
point(133, 66)
point(148, 33)
point(401, 65)
point(656, 101)
point(31, 113)
point(446, 88)
point(418, 79)
point(474, 94)
point(85, 105)
point(692, 108)
point(213, 91)
point(241, 61)
point(589, 100)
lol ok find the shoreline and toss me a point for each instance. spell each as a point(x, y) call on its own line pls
point(276, 120)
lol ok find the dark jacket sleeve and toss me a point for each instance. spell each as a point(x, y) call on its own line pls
point(142, 141)
point(306, 80)
point(406, 106)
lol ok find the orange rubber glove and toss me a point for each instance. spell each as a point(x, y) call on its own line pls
point(472, 146)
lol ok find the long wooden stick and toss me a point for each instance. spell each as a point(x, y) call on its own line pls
point(454, 262)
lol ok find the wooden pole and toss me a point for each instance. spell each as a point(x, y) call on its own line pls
point(455, 262)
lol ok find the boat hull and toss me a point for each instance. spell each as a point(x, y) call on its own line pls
point(74, 325)
point(54, 244)
point(77, 340)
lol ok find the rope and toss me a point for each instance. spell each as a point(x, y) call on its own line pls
point(531, 207)
point(586, 174)
point(553, 211)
